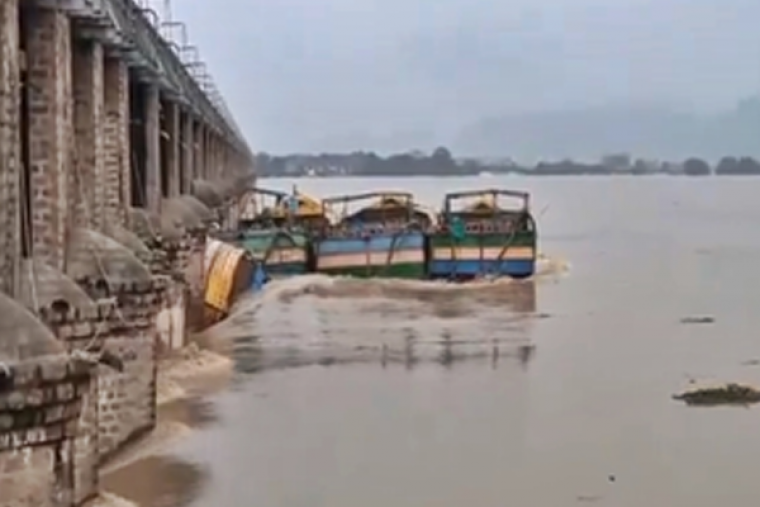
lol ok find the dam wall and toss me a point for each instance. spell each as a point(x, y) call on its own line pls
point(117, 154)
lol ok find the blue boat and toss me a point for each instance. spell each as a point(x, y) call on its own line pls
point(385, 239)
point(483, 239)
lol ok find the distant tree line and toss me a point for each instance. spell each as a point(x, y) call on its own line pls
point(442, 163)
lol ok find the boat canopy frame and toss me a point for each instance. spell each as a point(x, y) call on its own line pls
point(494, 193)
point(406, 198)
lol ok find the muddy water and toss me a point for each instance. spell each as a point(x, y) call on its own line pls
point(549, 393)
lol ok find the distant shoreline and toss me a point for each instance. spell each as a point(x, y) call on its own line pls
point(489, 175)
point(442, 163)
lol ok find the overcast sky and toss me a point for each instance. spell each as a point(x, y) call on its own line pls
point(330, 74)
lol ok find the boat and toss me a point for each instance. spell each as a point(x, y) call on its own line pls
point(483, 239)
point(384, 239)
point(275, 228)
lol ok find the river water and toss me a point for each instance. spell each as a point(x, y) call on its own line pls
point(547, 393)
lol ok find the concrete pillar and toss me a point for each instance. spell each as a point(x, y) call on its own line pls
point(189, 151)
point(10, 147)
point(209, 148)
point(117, 179)
point(204, 151)
point(173, 157)
point(88, 199)
point(152, 148)
point(50, 131)
point(222, 158)
point(197, 150)
point(201, 158)
point(218, 157)
point(212, 156)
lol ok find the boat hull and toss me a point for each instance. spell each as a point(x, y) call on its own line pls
point(283, 253)
point(478, 255)
point(388, 255)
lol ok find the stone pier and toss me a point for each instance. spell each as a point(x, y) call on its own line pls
point(114, 160)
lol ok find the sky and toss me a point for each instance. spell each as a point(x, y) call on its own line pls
point(340, 75)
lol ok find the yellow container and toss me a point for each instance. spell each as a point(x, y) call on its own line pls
point(229, 274)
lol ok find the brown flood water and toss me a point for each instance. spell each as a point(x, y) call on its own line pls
point(551, 393)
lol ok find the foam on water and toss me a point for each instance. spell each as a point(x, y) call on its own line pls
point(314, 318)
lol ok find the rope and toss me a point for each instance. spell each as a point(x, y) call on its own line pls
point(410, 227)
point(504, 249)
point(511, 239)
point(280, 233)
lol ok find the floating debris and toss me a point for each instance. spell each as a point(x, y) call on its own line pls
point(751, 362)
point(729, 394)
point(698, 320)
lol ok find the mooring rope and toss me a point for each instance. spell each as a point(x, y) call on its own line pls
point(413, 226)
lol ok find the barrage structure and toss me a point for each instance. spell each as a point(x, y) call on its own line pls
point(116, 153)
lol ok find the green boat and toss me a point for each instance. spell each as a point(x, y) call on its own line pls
point(275, 227)
point(484, 238)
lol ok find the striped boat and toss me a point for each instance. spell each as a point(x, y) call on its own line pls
point(385, 239)
point(273, 229)
point(483, 239)
point(282, 252)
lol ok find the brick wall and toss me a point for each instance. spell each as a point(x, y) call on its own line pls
point(86, 447)
point(116, 178)
point(173, 157)
point(153, 148)
point(215, 143)
point(198, 166)
point(9, 144)
point(126, 399)
point(51, 128)
point(204, 153)
point(40, 406)
point(187, 169)
point(88, 192)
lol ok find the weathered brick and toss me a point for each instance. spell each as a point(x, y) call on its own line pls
point(198, 161)
point(153, 148)
point(48, 42)
point(116, 146)
point(53, 370)
point(126, 400)
point(10, 150)
point(172, 112)
point(89, 183)
point(187, 171)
